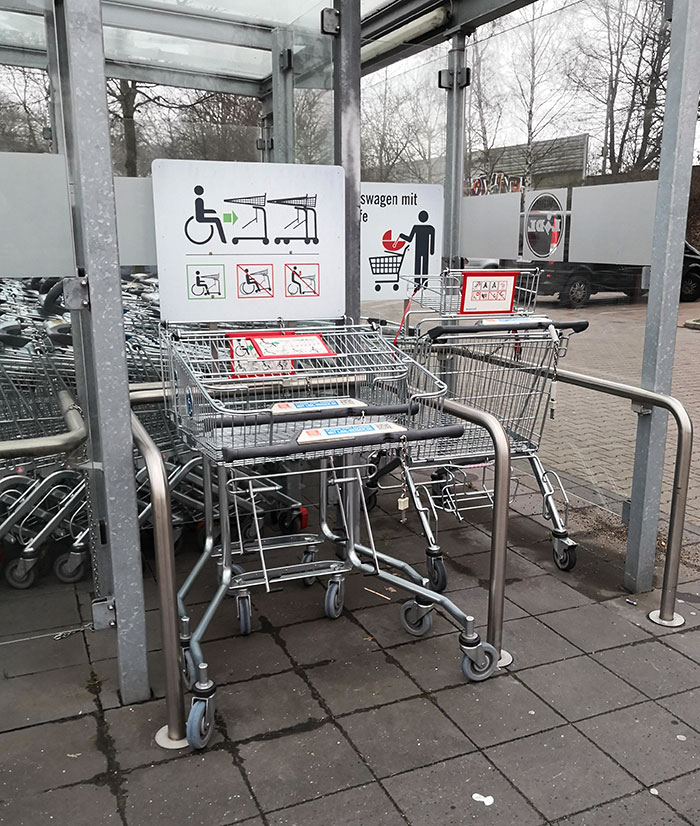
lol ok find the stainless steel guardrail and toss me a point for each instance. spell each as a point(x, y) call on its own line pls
point(74, 436)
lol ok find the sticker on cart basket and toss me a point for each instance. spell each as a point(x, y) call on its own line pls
point(348, 431)
point(246, 362)
point(316, 404)
point(189, 402)
point(487, 291)
point(297, 346)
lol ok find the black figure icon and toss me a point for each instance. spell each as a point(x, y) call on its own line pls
point(256, 282)
point(203, 217)
point(301, 285)
point(206, 285)
point(423, 237)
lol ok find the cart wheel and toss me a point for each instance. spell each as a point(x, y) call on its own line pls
point(266, 241)
point(234, 240)
point(189, 672)
point(437, 573)
point(396, 287)
point(418, 627)
point(244, 615)
point(371, 498)
point(237, 570)
point(565, 559)
point(472, 671)
point(248, 530)
point(334, 600)
point(378, 287)
point(199, 724)
point(286, 240)
point(15, 580)
point(290, 521)
point(315, 240)
point(63, 574)
point(307, 557)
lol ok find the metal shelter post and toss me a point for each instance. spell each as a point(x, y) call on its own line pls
point(282, 150)
point(98, 329)
point(346, 139)
point(455, 82)
point(666, 264)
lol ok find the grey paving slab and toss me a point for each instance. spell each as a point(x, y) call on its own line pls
point(405, 735)
point(560, 772)
point(465, 540)
point(686, 706)
point(646, 740)
point(522, 530)
point(579, 687)
point(301, 766)
point(133, 728)
point(240, 658)
point(475, 601)
point(532, 643)
point(687, 643)
point(637, 613)
point(383, 623)
point(543, 594)
point(683, 795)
point(594, 627)
point(444, 794)
point(365, 592)
point(433, 662)
point(296, 603)
point(496, 711)
point(641, 809)
point(652, 667)
point(355, 807)
point(45, 757)
point(363, 681)
point(326, 639)
point(85, 805)
point(266, 705)
point(46, 696)
point(39, 612)
point(42, 654)
point(209, 791)
point(594, 577)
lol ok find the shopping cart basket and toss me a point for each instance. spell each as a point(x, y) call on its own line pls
point(386, 269)
point(257, 202)
point(305, 209)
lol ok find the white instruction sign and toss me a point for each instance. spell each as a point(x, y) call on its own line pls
point(249, 241)
point(401, 234)
point(487, 291)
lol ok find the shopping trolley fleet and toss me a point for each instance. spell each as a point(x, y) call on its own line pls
point(251, 409)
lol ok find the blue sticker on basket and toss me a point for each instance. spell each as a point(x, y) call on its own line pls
point(189, 402)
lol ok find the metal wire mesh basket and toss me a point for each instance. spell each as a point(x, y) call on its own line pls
point(241, 396)
point(444, 293)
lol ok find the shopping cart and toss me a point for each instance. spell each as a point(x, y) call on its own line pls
point(386, 269)
point(502, 365)
point(305, 209)
point(319, 394)
point(258, 203)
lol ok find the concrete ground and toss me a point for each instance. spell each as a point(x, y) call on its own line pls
point(353, 722)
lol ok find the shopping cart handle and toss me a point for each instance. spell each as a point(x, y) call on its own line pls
point(267, 417)
point(507, 327)
point(292, 447)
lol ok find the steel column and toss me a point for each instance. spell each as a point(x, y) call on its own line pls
point(454, 151)
point(346, 140)
point(666, 264)
point(99, 336)
point(282, 97)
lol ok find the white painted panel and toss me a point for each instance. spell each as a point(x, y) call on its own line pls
point(490, 226)
point(613, 223)
point(35, 228)
point(136, 232)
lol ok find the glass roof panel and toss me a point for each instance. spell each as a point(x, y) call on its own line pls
point(23, 31)
point(165, 51)
point(261, 12)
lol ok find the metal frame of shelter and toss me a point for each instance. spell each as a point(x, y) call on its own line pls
point(270, 58)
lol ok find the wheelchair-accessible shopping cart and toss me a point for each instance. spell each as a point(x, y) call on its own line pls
point(320, 394)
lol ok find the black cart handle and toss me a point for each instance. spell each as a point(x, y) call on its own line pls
point(310, 414)
point(505, 327)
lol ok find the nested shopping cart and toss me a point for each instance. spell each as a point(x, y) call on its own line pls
point(504, 364)
point(386, 269)
point(258, 204)
point(320, 394)
point(304, 217)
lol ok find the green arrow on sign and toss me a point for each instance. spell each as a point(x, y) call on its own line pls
point(230, 217)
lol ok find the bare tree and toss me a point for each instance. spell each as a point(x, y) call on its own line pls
point(313, 126)
point(484, 108)
point(385, 132)
point(425, 114)
point(24, 109)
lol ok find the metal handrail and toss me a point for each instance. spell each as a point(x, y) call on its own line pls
point(57, 443)
point(684, 447)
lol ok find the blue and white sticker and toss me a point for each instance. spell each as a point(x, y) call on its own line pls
point(347, 431)
point(316, 404)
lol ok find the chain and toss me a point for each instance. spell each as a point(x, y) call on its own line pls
point(86, 626)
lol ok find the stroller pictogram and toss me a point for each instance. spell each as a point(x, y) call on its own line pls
point(305, 216)
point(258, 203)
point(387, 268)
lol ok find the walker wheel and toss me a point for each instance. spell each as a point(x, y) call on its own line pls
point(244, 616)
point(437, 574)
point(306, 558)
point(199, 724)
point(63, 574)
point(15, 580)
point(334, 600)
point(415, 625)
point(472, 671)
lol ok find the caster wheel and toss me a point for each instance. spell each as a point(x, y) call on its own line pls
point(15, 579)
point(237, 570)
point(437, 573)
point(416, 626)
point(248, 530)
point(305, 559)
point(335, 599)
point(244, 616)
point(290, 522)
point(371, 497)
point(189, 672)
point(472, 672)
point(565, 559)
point(63, 574)
point(199, 724)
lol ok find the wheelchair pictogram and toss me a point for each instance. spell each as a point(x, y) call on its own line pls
point(206, 281)
point(255, 280)
point(302, 280)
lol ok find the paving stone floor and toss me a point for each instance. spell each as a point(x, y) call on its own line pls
point(353, 722)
